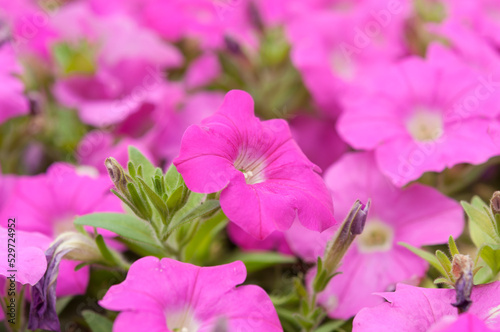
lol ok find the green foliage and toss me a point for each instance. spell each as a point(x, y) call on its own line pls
point(482, 223)
point(124, 225)
point(96, 322)
point(255, 261)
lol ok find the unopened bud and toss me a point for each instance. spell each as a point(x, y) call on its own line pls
point(232, 45)
point(116, 174)
point(352, 226)
point(462, 270)
point(495, 202)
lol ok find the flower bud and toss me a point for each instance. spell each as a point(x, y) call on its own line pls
point(462, 270)
point(352, 226)
point(116, 174)
point(495, 202)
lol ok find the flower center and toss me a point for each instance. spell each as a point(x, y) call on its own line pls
point(425, 125)
point(252, 165)
point(63, 224)
point(377, 236)
point(342, 64)
point(182, 321)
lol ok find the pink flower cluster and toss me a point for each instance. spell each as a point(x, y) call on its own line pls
point(282, 112)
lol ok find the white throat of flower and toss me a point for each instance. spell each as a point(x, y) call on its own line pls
point(251, 165)
point(342, 64)
point(377, 236)
point(182, 321)
point(425, 125)
point(63, 225)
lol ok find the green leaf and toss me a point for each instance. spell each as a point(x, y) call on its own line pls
point(330, 326)
point(96, 322)
point(259, 260)
point(139, 202)
point(197, 251)
point(82, 265)
point(445, 263)
point(158, 203)
point(205, 208)
point(452, 246)
point(430, 258)
point(148, 170)
point(173, 179)
point(131, 169)
point(442, 280)
point(299, 288)
point(103, 248)
point(175, 199)
point(125, 225)
point(62, 302)
point(482, 229)
point(145, 249)
point(478, 203)
point(491, 256)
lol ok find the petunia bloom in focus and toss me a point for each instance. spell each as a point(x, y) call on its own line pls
point(166, 295)
point(266, 180)
point(422, 309)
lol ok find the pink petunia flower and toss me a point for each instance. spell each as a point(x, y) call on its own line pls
point(483, 16)
point(12, 101)
point(434, 114)
point(166, 295)
point(98, 145)
point(48, 204)
point(205, 21)
point(266, 181)
point(172, 122)
point(417, 215)
point(29, 259)
point(334, 50)
point(118, 78)
point(315, 135)
point(412, 308)
point(275, 241)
